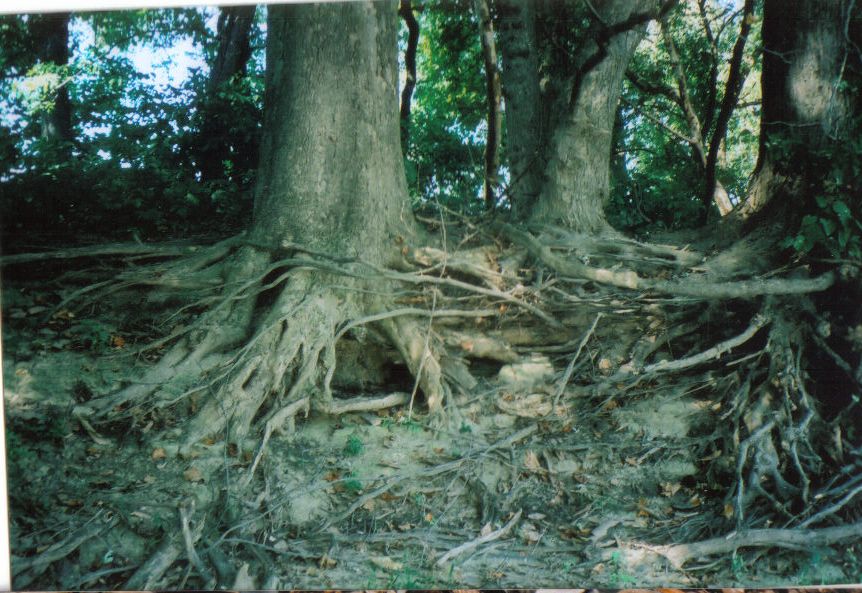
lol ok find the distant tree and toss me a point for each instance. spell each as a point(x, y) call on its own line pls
point(229, 64)
point(51, 36)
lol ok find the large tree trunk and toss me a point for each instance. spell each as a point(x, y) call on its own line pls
point(806, 51)
point(234, 51)
point(577, 175)
point(331, 99)
point(526, 136)
point(51, 33)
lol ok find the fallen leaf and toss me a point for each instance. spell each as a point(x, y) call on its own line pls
point(193, 474)
point(386, 563)
point(326, 562)
point(118, 342)
point(530, 534)
point(532, 463)
point(728, 511)
point(159, 453)
point(429, 517)
point(670, 488)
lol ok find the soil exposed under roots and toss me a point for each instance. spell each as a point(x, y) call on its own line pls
point(511, 408)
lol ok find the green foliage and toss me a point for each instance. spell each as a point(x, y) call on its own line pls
point(354, 446)
point(657, 180)
point(832, 220)
point(131, 168)
point(444, 155)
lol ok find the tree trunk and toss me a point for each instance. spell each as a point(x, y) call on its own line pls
point(806, 49)
point(713, 190)
point(525, 133)
point(577, 175)
point(234, 51)
point(331, 174)
point(492, 93)
point(51, 33)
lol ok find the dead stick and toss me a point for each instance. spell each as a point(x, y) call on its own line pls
point(570, 369)
point(467, 546)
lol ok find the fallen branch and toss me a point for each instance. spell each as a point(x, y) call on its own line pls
point(186, 511)
point(782, 538)
point(467, 546)
point(149, 573)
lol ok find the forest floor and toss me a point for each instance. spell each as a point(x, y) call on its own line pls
point(526, 486)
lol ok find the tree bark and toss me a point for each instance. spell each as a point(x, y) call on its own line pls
point(330, 99)
point(526, 135)
point(51, 32)
point(234, 51)
point(805, 49)
point(405, 10)
point(577, 175)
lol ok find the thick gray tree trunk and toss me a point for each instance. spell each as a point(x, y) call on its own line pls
point(577, 174)
point(808, 45)
point(331, 175)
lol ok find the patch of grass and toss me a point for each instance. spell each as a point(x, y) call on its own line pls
point(354, 446)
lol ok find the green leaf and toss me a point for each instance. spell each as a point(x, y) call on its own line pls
point(842, 210)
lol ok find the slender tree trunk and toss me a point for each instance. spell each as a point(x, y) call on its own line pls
point(493, 96)
point(525, 133)
point(577, 175)
point(51, 32)
point(234, 51)
point(701, 152)
point(713, 190)
point(405, 10)
point(331, 174)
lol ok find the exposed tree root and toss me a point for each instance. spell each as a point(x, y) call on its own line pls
point(798, 539)
point(264, 349)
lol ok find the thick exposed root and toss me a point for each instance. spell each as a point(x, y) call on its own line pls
point(287, 356)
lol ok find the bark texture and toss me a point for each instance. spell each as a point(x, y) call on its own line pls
point(577, 175)
point(807, 45)
point(526, 135)
point(331, 175)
